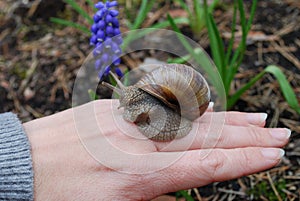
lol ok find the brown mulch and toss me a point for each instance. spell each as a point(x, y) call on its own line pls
point(39, 61)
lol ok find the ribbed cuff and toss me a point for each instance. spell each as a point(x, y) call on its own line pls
point(16, 174)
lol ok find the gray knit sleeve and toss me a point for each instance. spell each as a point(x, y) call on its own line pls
point(16, 174)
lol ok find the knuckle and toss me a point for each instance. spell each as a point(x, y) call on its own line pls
point(246, 160)
point(203, 134)
point(221, 139)
point(230, 118)
point(255, 137)
point(214, 164)
point(234, 118)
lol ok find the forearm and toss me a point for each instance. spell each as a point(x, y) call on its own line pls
point(16, 176)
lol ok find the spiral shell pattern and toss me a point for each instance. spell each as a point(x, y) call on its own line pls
point(180, 87)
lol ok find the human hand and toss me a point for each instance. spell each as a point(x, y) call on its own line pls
point(65, 170)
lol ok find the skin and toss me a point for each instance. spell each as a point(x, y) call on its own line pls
point(64, 169)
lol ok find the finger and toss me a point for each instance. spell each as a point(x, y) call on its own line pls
point(201, 167)
point(205, 137)
point(202, 135)
point(235, 118)
point(231, 118)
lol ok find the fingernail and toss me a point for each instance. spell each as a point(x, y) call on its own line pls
point(256, 118)
point(272, 153)
point(280, 134)
point(211, 104)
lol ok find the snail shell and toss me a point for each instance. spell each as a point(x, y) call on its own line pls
point(180, 87)
point(164, 102)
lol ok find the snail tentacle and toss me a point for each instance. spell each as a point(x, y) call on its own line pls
point(119, 89)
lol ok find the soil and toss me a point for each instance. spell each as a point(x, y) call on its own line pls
point(39, 61)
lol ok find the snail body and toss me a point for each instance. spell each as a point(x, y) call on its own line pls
point(164, 102)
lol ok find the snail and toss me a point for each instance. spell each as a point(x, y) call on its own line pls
point(165, 102)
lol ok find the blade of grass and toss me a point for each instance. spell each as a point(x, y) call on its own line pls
point(239, 53)
point(159, 25)
point(201, 58)
point(216, 44)
point(179, 34)
point(242, 46)
point(128, 14)
point(198, 18)
point(79, 10)
point(285, 87)
point(184, 58)
point(184, 194)
point(252, 12)
point(229, 71)
point(184, 6)
point(234, 98)
point(231, 41)
point(166, 23)
point(143, 11)
point(242, 15)
point(219, 51)
point(70, 24)
point(245, 29)
point(179, 60)
point(212, 6)
point(93, 95)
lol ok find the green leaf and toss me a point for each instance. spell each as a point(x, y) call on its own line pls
point(201, 58)
point(70, 24)
point(216, 43)
point(185, 58)
point(198, 19)
point(93, 95)
point(252, 12)
point(180, 35)
point(143, 11)
point(79, 10)
point(285, 87)
point(212, 6)
point(166, 23)
point(196, 16)
point(232, 99)
point(242, 15)
point(159, 25)
point(179, 60)
point(239, 54)
point(184, 6)
point(231, 41)
point(185, 195)
point(217, 47)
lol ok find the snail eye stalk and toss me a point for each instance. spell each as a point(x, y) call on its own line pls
point(115, 89)
point(120, 85)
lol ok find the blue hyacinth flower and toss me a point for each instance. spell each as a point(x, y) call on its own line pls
point(106, 38)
